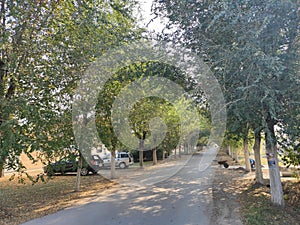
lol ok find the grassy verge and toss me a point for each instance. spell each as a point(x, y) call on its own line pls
point(257, 210)
point(22, 202)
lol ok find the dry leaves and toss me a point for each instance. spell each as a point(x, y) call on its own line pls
point(22, 202)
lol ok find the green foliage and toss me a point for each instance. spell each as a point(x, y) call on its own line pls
point(253, 49)
point(146, 109)
point(141, 112)
point(289, 143)
point(45, 47)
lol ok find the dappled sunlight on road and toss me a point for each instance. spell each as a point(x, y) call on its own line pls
point(149, 175)
point(182, 197)
point(187, 190)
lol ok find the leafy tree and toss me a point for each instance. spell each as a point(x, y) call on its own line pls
point(147, 111)
point(252, 48)
point(45, 46)
point(147, 108)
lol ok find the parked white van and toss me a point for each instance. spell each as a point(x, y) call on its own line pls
point(122, 160)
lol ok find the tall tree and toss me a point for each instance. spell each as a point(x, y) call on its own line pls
point(250, 45)
point(145, 109)
point(45, 46)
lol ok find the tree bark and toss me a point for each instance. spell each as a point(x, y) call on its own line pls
point(185, 147)
point(175, 153)
point(271, 152)
point(229, 151)
point(154, 156)
point(113, 165)
point(2, 74)
point(236, 155)
point(141, 153)
point(258, 168)
point(77, 183)
point(3, 23)
point(1, 169)
point(246, 154)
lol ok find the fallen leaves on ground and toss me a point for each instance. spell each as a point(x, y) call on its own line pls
point(257, 208)
point(254, 199)
point(22, 202)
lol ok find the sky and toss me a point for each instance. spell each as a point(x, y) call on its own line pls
point(157, 24)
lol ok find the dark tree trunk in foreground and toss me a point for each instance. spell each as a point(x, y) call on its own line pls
point(258, 168)
point(77, 184)
point(1, 169)
point(246, 154)
point(154, 156)
point(141, 153)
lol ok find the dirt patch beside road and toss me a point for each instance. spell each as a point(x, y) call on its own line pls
point(257, 208)
point(226, 192)
point(238, 200)
point(22, 202)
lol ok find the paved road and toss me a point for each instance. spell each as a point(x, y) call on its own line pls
point(183, 199)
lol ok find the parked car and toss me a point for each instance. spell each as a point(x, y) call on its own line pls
point(122, 160)
point(67, 165)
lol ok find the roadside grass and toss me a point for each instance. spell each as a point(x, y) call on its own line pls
point(257, 209)
point(22, 202)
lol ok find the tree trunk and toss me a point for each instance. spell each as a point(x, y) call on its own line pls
point(2, 163)
point(229, 151)
point(113, 165)
point(1, 170)
point(3, 23)
point(2, 86)
point(258, 169)
point(77, 183)
point(271, 152)
point(246, 154)
point(154, 156)
point(141, 153)
point(175, 153)
point(236, 155)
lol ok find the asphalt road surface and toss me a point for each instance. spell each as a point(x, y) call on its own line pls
point(183, 199)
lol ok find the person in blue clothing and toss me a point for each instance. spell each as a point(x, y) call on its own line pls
point(252, 163)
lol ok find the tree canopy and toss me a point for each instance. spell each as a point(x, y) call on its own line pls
point(45, 47)
point(144, 111)
point(253, 49)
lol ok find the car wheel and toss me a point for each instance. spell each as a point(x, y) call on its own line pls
point(84, 172)
point(122, 165)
